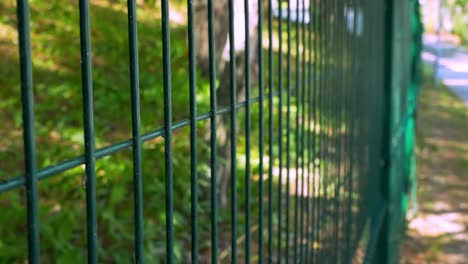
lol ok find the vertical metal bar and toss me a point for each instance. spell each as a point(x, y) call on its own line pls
point(136, 132)
point(348, 131)
point(27, 101)
point(307, 121)
point(270, 135)
point(280, 129)
point(261, 128)
point(213, 161)
point(88, 118)
point(334, 123)
point(331, 127)
point(288, 135)
point(193, 132)
point(382, 254)
point(364, 115)
point(303, 125)
point(344, 111)
point(327, 119)
point(347, 121)
point(280, 141)
point(353, 120)
point(349, 145)
point(247, 131)
point(359, 141)
point(332, 135)
point(270, 131)
point(322, 97)
point(297, 137)
point(308, 221)
point(318, 127)
point(346, 108)
point(233, 85)
point(280, 125)
point(343, 129)
point(338, 136)
point(168, 131)
point(315, 106)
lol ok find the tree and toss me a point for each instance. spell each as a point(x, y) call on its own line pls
point(221, 22)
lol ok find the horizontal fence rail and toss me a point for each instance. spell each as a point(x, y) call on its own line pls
point(229, 131)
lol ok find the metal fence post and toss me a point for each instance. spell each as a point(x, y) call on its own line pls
point(29, 138)
point(381, 254)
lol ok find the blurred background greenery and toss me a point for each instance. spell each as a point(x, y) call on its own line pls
point(454, 18)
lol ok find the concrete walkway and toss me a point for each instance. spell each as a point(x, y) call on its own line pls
point(453, 64)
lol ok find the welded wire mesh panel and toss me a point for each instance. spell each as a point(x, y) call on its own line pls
point(207, 131)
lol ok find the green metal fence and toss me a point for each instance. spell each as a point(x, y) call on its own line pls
point(329, 116)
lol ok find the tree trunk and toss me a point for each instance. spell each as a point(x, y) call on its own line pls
point(221, 17)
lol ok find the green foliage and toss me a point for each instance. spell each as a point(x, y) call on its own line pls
point(458, 10)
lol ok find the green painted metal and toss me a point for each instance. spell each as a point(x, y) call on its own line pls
point(270, 130)
point(193, 132)
point(403, 45)
point(261, 134)
point(88, 119)
point(310, 152)
point(288, 133)
point(297, 127)
point(339, 136)
point(233, 123)
point(167, 87)
point(213, 145)
point(247, 132)
point(27, 101)
point(136, 131)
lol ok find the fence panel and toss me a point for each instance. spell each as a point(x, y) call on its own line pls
point(296, 144)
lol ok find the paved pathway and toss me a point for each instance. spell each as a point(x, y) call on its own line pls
point(453, 64)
